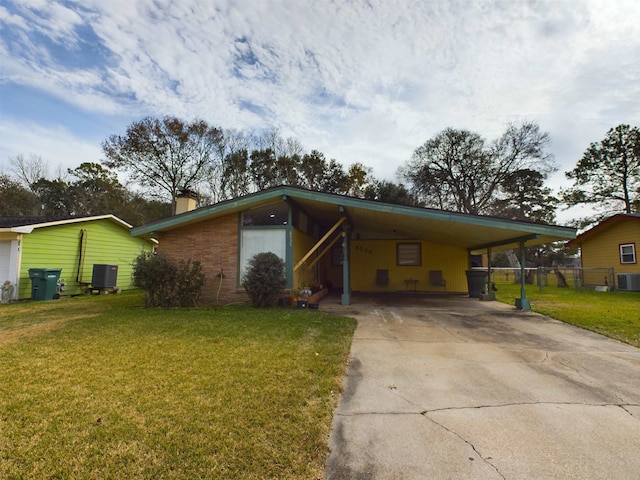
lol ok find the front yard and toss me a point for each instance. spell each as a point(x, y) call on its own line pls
point(99, 387)
point(614, 314)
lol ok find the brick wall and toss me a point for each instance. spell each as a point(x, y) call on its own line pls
point(215, 244)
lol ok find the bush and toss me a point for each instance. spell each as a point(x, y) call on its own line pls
point(166, 284)
point(265, 280)
point(190, 281)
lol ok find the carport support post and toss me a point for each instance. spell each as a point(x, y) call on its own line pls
point(490, 295)
point(523, 302)
point(346, 279)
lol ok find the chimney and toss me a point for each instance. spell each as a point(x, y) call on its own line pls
point(186, 201)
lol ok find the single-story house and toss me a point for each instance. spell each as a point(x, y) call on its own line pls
point(612, 244)
point(345, 243)
point(73, 244)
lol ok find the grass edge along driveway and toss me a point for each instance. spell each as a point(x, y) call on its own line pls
point(613, 314)
point(99, 387)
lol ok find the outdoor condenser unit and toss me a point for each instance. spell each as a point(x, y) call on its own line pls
point(104, 276)
point(629, 282)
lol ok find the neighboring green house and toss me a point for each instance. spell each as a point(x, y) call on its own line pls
point(73, 244)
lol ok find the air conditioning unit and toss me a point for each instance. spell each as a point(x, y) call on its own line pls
point(104, 276)
point(629, 282)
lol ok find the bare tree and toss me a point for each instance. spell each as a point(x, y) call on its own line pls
point(456, 170)
point(28, 170)
point(167, 155)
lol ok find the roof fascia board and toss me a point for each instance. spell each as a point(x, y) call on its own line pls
point(23, 229)
point(349, 202)
point(204, 212)
point(26, 229)
point(566, 232)
point(33, 226)
point(620, 217)
point(524, 238)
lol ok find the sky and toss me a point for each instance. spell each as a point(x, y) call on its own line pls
point(361, 81)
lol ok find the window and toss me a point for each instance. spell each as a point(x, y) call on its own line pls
point(274, 214)
point(258, 240)
point(628, 253)
point(409, 254)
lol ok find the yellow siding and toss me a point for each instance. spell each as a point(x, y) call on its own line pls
point(368, 256)
point(602, 249)
point(304, 276)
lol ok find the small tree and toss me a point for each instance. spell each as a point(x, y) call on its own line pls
point(265, 280)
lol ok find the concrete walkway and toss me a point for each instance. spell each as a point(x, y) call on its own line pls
point(455, 388)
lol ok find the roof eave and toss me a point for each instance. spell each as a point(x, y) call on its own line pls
point(202, 213)
point(576, 242)
point(33, 226)
point(527, 228)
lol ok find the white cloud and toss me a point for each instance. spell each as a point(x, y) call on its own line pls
point(60, 148)
point(364, 81)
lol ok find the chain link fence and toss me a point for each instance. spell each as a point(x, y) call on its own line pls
point(563, 277)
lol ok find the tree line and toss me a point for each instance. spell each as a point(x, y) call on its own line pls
point(455, 170)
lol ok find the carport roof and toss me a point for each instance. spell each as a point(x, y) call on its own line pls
point(473, 232)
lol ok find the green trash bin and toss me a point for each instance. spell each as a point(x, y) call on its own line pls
point(44, 283)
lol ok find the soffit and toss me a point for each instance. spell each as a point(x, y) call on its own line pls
point(466, 231)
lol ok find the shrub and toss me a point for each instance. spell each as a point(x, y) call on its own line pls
point(265, 280)
point(166, 284)
point(189, 283)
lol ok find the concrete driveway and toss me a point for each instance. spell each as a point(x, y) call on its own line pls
point(456, 388)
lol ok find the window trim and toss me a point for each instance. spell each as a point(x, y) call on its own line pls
point(417, 262)
point(633, 253)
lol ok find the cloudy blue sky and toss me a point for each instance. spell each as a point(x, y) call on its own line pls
point(362, 81)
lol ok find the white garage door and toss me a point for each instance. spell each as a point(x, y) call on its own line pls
point(8, 260)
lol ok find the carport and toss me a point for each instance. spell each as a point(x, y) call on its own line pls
point(349, 221)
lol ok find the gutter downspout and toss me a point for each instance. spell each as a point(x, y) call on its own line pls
point(81, 254)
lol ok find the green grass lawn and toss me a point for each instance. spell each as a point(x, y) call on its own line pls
point(614, 314)
point(99, 387)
